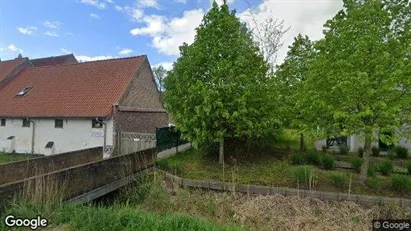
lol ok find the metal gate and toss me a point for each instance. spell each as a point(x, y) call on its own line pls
point(133, 142)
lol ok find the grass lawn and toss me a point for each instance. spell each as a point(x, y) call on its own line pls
point(275, 169)
point(5, 157)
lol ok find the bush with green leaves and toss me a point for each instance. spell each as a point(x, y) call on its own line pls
point(372, 170)
point(356, 163)
point(327, 161)
point(401, 152)
point(375, 151)
point(297, 159)
point(401, 183)
point(408, 166)
point(344, 149)
point(375, 182)
point(313, 157)
point(339, 179)
point(304, 176)
point(391, 154)
point(360, 152)
point(386, 167)
point(324, 148)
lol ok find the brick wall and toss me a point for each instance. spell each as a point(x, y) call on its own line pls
point(141, 122)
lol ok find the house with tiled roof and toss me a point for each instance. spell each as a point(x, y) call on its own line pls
point(10, 68)
point(54, 60)
point(78, 105)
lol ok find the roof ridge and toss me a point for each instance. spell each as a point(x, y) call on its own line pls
point(53, 56)
point(95, 61)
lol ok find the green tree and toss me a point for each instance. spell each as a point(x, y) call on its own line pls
point(160, 74)
point(218, 87)
point(359, 82)
point(289, 78)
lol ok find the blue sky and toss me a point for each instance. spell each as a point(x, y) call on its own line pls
point(99, 29)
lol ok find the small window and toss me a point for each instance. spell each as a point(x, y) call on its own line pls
point(96, 124)
point(3, 122)
point(24, 91)
point(58, 123)
point(26, 123)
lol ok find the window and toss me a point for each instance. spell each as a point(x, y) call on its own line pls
point(96, 124)
point(26, 123)
point(3, 122)
point(58, 123)
point(24, 91)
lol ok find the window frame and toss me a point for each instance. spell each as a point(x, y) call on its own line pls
point(59, 120)
point(3, 122)
point(26, 123)
point(94, 122)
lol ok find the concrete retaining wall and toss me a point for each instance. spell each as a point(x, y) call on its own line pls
point(19, 170)
point(172, 151)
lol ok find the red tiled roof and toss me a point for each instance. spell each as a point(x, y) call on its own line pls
point(78, 90)
point(54, 60)
point(6, 67)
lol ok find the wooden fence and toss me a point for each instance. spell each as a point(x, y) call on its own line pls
point(266, 190)
point(133, 142)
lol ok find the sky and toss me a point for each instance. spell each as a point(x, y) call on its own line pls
point(103, 29)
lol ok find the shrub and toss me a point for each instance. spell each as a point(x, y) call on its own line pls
point(339, 179)
point(408, 166)
point(401, 152)
point(327, 161)
point(297, 159)
point(313, 158)
point(374, 182)
point(372, 170)
point(391, 154)
point(344, 149)
point(360, 152)
point(304, 175)
point(324, 148)
point(401, 183)
point(375, 151)
point(386, 167)
point(356, 163)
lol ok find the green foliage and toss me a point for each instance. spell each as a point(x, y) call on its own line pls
point(324, 148)
point(360, 152)
point(327, 161)
point(356, 163)
point(401, 152)
point(304, 176)
point(313, 157)
point(218, 87)
point(375, 151)
point(401, 183)
point(339, 179)
point(408, 166)
point(375, 182)
point(343, 149)
point(372, 170)
point(297, 159)
point(391, 154)
point(386, 167)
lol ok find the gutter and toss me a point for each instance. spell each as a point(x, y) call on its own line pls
point(32, 135)
point(105, 134)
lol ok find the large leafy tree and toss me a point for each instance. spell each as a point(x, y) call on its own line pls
point(289, 79)
point(218, 86)
point(360, 80)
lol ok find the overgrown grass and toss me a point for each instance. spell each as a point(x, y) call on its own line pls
point(6, 157)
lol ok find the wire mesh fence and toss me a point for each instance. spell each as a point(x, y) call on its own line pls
point(168, 137)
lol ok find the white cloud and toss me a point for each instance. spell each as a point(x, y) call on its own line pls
point(148, 4)
point(13, 48)
point(118, 8)
point(167, 65)
point(85, 58)
point(155, 26)
point(30, 30)
point(51, 33)
point(125, 51)
point(99, 4)
point(65, 51)
point(303, 17)
point(95, 16)
point(110, 1)
point(220, 2)
point(169, 33)
point(52, 25)
point(134, 12)
point(181, 1)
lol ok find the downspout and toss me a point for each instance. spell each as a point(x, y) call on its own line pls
point(32, 135)
point(105, 134)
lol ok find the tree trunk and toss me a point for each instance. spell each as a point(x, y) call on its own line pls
point(221, 152)
point(365, 158)
point(302, 144)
